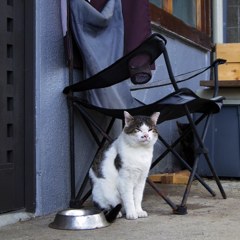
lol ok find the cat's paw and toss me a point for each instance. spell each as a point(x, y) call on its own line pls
point(131, 215)
point(142, 214)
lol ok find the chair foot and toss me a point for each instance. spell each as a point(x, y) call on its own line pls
point(75, 204)
point(180, 210)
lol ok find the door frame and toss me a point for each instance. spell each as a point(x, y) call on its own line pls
point(30, 123)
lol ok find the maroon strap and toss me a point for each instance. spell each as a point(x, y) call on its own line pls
point(137, 25)
point(98, 4)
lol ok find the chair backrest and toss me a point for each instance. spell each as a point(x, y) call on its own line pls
point(230, 52)
point(99, 38)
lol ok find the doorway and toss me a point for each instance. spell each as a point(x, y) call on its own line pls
point(13, 80)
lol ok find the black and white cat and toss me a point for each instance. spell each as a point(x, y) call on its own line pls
point(119, 173)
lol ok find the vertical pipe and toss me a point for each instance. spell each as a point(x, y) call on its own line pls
point(217, 13)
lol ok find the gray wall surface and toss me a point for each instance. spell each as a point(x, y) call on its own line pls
point(52, 141)
point(52, 132)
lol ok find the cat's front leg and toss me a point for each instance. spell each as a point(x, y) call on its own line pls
point(142, 214)
point(126, 192)
point(128, 203)
point(138, 195)
point(131, 215)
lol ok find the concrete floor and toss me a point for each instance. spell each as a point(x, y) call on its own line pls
point(208, 218)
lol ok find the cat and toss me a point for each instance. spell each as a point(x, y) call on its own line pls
point(119, 172)
point(187, 150)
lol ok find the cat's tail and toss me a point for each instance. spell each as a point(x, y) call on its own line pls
point(112, 214)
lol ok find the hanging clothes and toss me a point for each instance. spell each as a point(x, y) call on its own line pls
point(137, 27)
point(137, 22)
point(105, 30)
point(99, 35)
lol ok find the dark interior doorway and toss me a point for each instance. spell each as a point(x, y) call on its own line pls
point(16, 164)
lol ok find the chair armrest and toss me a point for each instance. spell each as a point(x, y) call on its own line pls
point(215, 65)
point(161, 83)
point(119, 71)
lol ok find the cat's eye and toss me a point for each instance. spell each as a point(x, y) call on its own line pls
point(150, 129)
point(137, 130)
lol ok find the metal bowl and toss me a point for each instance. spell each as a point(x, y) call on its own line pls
point(79, 219)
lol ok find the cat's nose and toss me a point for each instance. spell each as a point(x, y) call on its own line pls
point(145, 135)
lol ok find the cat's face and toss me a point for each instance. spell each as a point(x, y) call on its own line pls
point(141, 129)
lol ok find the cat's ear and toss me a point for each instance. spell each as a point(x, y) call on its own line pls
point(155, 116)
point(128, 118)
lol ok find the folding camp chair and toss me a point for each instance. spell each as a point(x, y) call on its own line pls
point(181, 102)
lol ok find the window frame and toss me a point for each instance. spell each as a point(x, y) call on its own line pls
point(200, 36)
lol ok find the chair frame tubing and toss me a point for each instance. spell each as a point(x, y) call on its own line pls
point(76, 198)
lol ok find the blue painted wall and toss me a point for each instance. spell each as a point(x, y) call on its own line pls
point(52, 132)
point(52, 157)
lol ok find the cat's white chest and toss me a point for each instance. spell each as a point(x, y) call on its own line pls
point(139, 159)
point(134, 156)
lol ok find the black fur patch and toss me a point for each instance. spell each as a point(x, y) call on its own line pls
point(96, 167)
point(112, 214)
point(187, 143)
point(118, 162)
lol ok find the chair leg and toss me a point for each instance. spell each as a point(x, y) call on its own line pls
point(170, 149)
point(182, 209)
point(188, 187)
point(205, 153)
point(220, 187)
point(165, 198)
point(72, 149)
point(202, 148)
point(78, 200)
